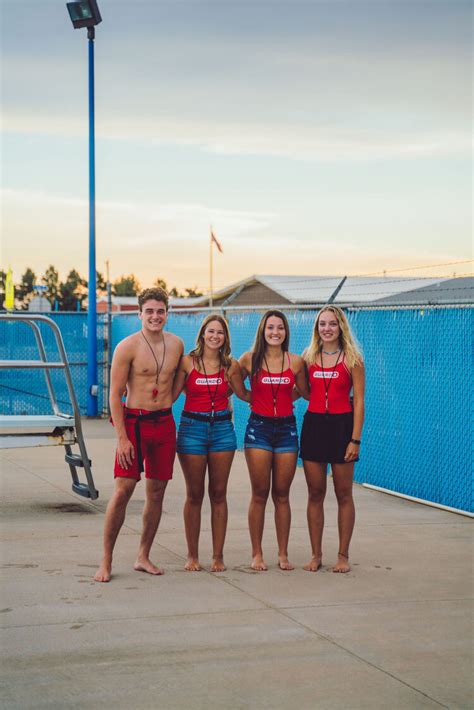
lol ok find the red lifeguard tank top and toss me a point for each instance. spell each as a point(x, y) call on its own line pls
point(202, 389)
point(338, 381)
point(262, 393)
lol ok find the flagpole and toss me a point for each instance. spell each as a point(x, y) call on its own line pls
point(210, 269)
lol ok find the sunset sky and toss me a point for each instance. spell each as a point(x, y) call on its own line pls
point(316, 137)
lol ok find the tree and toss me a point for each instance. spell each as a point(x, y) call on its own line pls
point(3, 276)
point(126, 286)
point(26, 286)
point(50, 279)
point(100, 282)
point(161, 283)
point(193, 292)
point(71, 291)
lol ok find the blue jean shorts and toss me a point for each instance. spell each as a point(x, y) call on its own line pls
point(200, 436)
point(277, 434)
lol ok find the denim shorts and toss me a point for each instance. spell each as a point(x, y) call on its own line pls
point(278, 434)
point(196, 436)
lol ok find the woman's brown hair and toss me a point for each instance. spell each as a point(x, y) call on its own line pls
point(224, 352)
point(258, 348)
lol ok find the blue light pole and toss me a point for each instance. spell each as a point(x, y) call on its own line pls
point(85, 13)
point(92, 386)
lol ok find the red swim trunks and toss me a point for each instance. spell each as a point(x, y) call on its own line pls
point(153, 435)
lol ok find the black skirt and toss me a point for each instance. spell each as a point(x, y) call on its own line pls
point(324, 437)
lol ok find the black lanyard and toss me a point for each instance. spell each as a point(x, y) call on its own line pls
point(327, 386)
point(275, 394)
point(158, 367)
point(212, 396)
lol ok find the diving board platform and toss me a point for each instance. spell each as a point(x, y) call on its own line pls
point(57, 428)
point(17, 430)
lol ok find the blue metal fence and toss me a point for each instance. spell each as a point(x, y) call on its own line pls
point(24, 391)
point(417, 435)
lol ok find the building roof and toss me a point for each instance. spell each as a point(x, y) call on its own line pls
point(458, 290)
point(355, 289)
point(185, 301)
point(300, 290)
point(319, 289)
point(133, 301)
point(120, 300)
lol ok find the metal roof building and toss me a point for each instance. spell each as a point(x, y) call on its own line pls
point(271, 290)
point(266, 290)
point(458, 290)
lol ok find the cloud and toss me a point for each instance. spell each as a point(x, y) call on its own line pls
point(291, 141)
point(311, 82)
point(125, 222)
point(171, 241)
point(308, 99)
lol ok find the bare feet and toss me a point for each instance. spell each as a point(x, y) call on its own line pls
point(104, 572)
point(192, 565)
point(147, 566)
point(342, 564)
point(258, 564)
point(313, 565)
point(218, 565)
point(284, 563)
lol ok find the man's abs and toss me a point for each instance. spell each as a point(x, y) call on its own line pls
point(148, 395)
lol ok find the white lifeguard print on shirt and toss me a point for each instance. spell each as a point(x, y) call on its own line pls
point(320, 375)
point(276, 380)
point(208, 381)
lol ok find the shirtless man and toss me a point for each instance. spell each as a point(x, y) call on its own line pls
point(144, 364)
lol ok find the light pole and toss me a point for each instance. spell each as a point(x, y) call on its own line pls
point(85, 13)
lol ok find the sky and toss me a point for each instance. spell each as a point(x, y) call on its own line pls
point(317, 137)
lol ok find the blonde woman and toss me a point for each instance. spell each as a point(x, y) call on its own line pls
point(332, 428)
point(206, 436)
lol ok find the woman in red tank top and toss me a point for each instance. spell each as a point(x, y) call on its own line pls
point(332, 428)
point(206, 436)
point(271, 438)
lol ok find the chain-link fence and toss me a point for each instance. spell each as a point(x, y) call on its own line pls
point(25, 391)
point(417, 433)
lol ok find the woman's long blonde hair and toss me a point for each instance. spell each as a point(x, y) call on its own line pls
point(349, 345)
point(224, 352)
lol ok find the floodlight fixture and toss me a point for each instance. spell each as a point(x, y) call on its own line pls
point(84, 13)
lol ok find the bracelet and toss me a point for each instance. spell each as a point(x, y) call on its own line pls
point(355, 441)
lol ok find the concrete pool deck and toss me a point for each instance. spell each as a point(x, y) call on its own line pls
point(396, 632)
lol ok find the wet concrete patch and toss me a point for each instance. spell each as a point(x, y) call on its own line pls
point(64, 508)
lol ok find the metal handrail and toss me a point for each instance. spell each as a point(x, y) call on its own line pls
point(30, 364)
point(44, 364)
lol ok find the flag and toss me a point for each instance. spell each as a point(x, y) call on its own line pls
point(213, 239)
point(9, 303)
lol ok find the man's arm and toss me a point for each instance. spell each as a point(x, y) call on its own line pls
point(180, 377)
point(119, 374)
